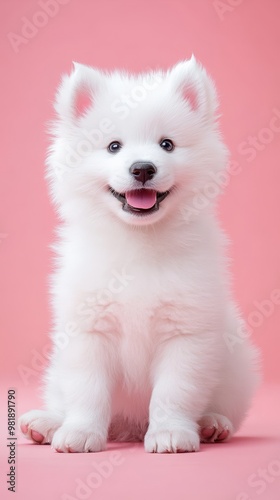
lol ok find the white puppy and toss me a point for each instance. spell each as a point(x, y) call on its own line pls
point(148, 343)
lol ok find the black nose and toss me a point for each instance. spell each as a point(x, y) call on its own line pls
point(143, 171)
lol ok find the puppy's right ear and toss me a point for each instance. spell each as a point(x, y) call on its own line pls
point(76, 93)
point(197, 89)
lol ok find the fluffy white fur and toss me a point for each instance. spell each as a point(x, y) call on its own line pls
point(142, 309)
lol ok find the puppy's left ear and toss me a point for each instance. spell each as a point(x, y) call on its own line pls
point(77, 92)
point(190, 79)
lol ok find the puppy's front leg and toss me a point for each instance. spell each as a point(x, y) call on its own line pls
point(182, 387)
point(85, 375)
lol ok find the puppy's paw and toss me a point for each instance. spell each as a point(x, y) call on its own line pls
point(39, 425)
point(176, 440)
point(74, 438)
point(215, 428)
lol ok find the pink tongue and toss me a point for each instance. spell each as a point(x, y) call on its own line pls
point(141, 198)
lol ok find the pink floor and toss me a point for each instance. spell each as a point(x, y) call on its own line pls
point(246, 468)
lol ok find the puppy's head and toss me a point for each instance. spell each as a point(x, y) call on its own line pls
point(138, 148)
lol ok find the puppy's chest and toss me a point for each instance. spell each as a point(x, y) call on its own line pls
point(137, 316)
point(143, 321)
point(139, 305)
point(143, 328)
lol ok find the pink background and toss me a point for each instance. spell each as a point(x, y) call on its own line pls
point(238, 42)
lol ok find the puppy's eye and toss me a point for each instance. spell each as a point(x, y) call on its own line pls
point(167, 144)
point(114, 147)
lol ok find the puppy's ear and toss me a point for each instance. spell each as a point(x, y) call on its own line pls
point(190, 79)
point(76, 93)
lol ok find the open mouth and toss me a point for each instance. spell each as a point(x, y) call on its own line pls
point(140, 201)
